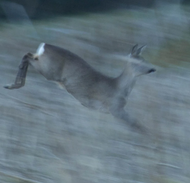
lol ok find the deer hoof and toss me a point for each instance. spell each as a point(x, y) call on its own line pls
point(11, 86)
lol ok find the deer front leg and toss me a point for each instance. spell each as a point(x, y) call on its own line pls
point(134, 124)
point(21, 75)
point(119, 112)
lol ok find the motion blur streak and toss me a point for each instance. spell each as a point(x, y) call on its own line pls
point(48, 137)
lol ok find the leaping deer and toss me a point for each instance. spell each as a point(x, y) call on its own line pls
point(92, 88)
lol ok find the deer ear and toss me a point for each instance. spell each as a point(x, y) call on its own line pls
point(137, 51)
point(140, 50)
point(134, 49)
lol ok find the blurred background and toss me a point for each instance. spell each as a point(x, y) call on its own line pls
point(47, 136)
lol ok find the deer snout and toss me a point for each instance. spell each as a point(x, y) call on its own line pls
point(151, 70)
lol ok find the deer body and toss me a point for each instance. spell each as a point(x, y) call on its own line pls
point(92, 88)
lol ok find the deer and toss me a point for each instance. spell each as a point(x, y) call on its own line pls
point(90, 87)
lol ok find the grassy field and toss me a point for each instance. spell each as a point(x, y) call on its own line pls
point(48, 136)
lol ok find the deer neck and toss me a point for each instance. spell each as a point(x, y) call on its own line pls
point(126, 80)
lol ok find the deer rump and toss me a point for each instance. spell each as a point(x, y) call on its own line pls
point(90, 87)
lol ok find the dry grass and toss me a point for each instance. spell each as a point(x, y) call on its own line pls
point(47, 136)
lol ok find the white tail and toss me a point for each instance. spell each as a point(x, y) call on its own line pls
point(90, 87)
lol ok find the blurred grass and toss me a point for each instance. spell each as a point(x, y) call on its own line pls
point(114, 32)
point(48, 136)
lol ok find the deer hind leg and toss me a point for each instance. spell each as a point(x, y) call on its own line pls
point(21, 75)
